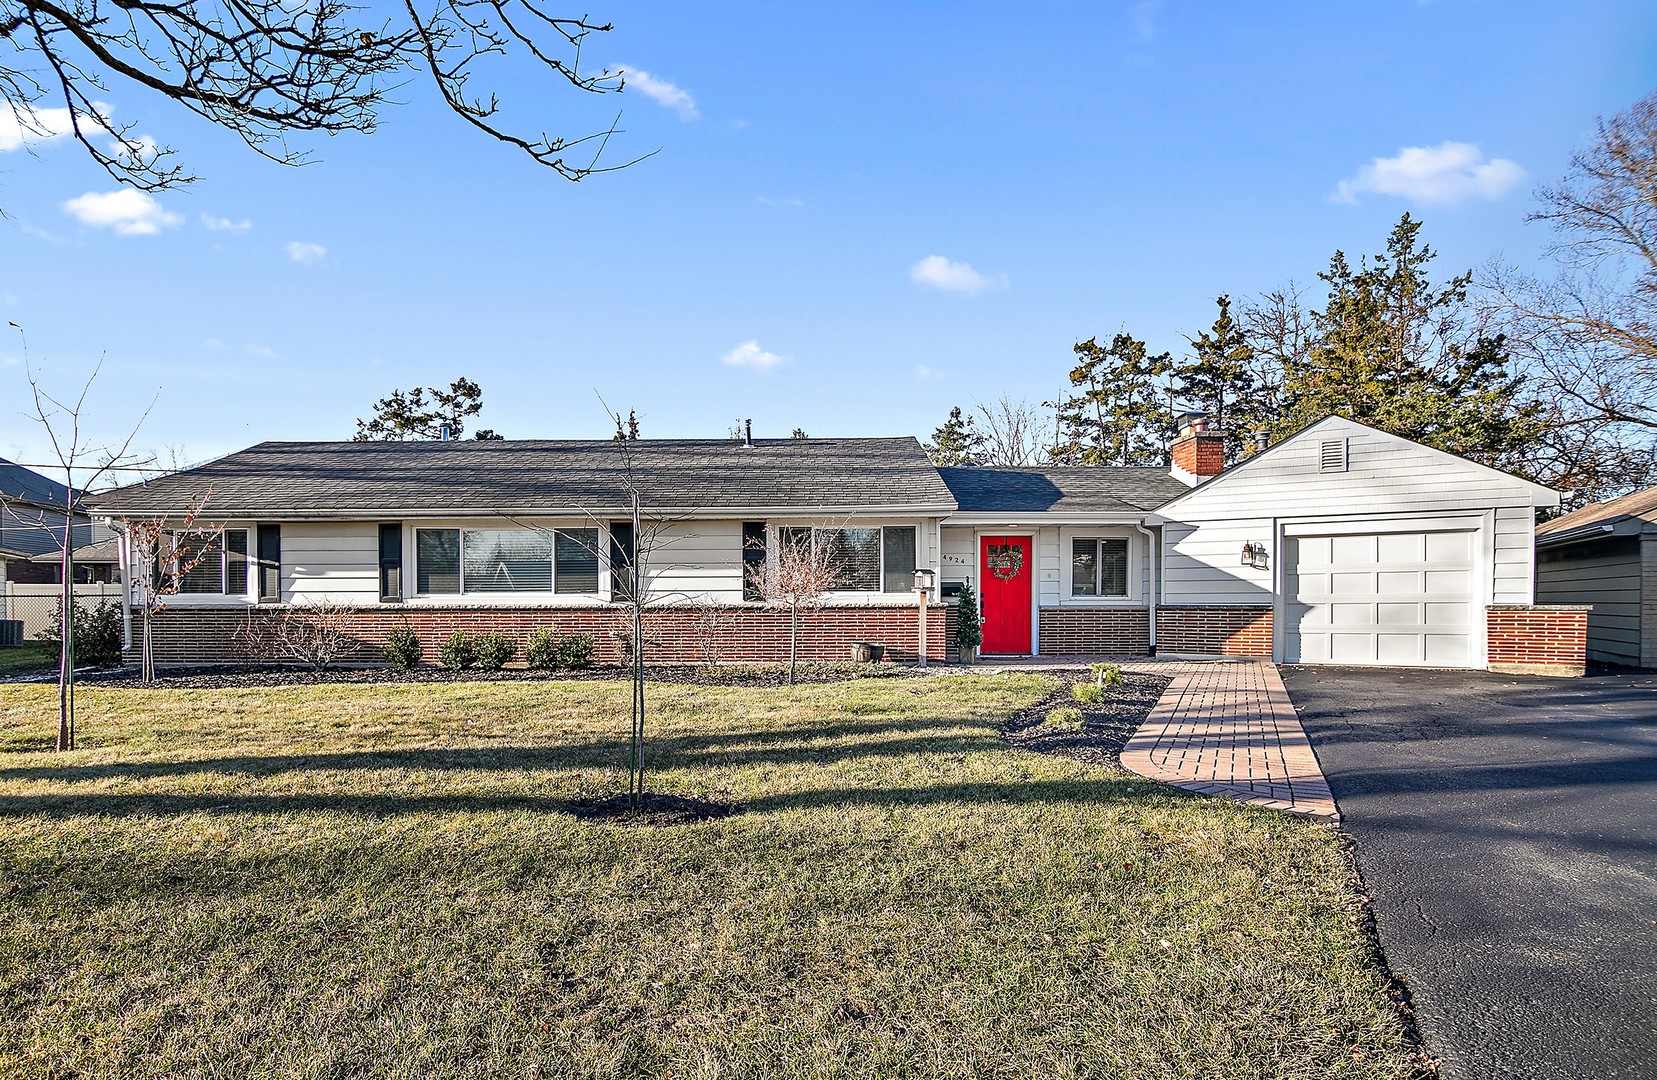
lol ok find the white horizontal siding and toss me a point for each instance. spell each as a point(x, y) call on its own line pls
point(333, 563)
point(696, 561)
point(1047, 561)
point(1514, 564)
point(1385, 475)
point(1203, 564)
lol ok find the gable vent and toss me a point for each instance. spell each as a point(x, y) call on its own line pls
point(1332, 455)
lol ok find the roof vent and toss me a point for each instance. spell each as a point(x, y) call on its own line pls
point(1332, 455)
point(748, 434)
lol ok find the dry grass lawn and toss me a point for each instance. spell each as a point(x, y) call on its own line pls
point(380, 881)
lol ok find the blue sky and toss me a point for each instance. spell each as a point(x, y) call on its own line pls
point(876, 210)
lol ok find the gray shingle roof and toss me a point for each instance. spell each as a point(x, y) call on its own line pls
point(1061, 489)
point(440, 478)
point(1640, 505)
point(16, 482)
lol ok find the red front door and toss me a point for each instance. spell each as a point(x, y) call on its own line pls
point(1005, 570)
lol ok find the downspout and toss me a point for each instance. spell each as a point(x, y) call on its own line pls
point(126, 586)
point(1153, 551)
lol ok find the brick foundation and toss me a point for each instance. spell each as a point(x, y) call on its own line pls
point(1095, 631)
point(1214, 631)
point(201, 635)
point(1540, 639)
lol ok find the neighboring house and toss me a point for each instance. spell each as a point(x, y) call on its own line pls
point(1605, 554)
point(31, 532)
point(1341, 544)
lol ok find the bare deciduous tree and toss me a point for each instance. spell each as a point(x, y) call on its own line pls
point(83, 465)
point(799, 578)
point(163, 553)
point(1013, 434)
point(316, 634)
point(1587, 337)
point(267, 70)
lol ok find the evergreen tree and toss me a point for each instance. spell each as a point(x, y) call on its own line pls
point(1119, 414)
point(956, 442)
point(1396, 352)
point(423, 413)
point(1220, 380)
point(627, 430)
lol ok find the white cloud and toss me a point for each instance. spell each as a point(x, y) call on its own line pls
point(1450, 172)
point(750, 355)
point(263, 352)
point(301, 251)
point(766, 200)
point(128, 212)
point(220, 224)
point(940, 273)
point(213, 344)
point(662, 92)
point(924, 372)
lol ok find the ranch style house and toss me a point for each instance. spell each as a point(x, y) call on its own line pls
point(1340, 545)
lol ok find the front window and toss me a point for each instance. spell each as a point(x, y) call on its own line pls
point(465, 561)
point(1099, 567)
point(879, 559)
point(219, 563)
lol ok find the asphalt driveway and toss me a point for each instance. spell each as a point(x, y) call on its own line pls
point(1506, 829)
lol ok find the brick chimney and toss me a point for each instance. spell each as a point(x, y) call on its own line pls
point(1197, 452)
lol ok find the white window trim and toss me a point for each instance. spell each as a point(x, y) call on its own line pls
point(186, 599)
point(857, 597)
point(548, 596)
point(1136, 565)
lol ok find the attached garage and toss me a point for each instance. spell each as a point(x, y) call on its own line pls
point(1400, 599)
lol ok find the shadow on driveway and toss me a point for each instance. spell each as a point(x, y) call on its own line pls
point(1507, 830)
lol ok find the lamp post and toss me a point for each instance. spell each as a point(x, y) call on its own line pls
point(924, 582)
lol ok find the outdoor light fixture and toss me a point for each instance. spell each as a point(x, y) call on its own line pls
point(1254, 554)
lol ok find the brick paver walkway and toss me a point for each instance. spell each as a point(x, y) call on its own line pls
point(1228, 728)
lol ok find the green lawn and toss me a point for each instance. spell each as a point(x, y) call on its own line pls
point(378, 880)
point(29, 656)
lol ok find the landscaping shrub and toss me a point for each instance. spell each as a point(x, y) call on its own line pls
point(541, 650)
point(402, 648)
point(1106, 674)
point(969, 633)
point(1088, 693)
point(458, 651)
point(493, 651)
point(576, 651)
point(97, 633)
point(1064, 718)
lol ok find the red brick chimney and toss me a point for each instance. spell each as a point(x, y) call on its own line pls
point(1197, 452)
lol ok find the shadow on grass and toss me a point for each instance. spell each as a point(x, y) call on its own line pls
point(1100, 791)
point(817, 745)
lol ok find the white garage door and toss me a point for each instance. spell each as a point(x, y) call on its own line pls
point(1402, 599)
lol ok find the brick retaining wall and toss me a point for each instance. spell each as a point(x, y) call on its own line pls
point(1214, 631)
point(1540, 639)
point(1095, 631)
point(201, 635)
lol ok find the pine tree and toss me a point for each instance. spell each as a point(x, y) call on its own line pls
point(1118, 416)
point(956, 442)
point(1397, 352)
point(1220, 380)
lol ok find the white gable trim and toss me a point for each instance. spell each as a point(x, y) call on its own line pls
point(1541, 496)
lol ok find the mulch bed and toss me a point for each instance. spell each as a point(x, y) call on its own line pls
point(1106, 725)
point(653, 810)
point(216, 678)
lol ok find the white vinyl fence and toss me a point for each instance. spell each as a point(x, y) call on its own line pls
point(36, 604)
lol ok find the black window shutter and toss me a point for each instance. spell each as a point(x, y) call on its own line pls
point(753, 559)
point(391, 563)
point(621, 560)
point(270, 563)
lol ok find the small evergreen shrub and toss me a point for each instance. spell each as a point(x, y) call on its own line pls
point(493, 651)
point(969, 632)
point(402, 648)
point(1088, 693)
point(1106, 674)
point(576, 651)
point(458, 651)
point(97, 633)
point(541, 650)
point(1070, 718)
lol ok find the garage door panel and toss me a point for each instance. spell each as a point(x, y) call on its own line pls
point(1402, 599)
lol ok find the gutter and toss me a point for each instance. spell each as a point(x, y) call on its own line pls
point(695, 513)
point(1578, 534)
point(1154, 551)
